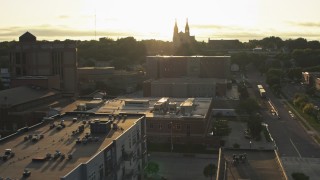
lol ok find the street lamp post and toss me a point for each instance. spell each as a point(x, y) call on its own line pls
point(171, 137)
point(250, 144)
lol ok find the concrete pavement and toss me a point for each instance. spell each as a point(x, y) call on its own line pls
point(179, 166)
point(237, 136)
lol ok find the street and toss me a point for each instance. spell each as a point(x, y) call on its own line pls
point(291, 138)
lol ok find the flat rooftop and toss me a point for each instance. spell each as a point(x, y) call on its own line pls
point(188, 56)
point(260, 165)
point(94, 68)
point(117, 106)
point(61, 140)
point(23, 94)
point(189, 81)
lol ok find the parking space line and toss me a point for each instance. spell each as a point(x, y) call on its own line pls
point(295, 148)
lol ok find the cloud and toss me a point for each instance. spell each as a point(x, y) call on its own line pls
point(49, 32)
point(305, 24)
point(63, 17)
point(208, 26)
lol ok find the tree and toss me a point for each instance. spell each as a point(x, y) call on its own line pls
point(299, 176)
point(249, 106)
point(243, 91)
point(242, 59)
point(209, 170)
point(152, 168)
point(274, 76)
point(308, 108)
point(300, 100)
point(255, 127)
point(294, 73)
point(220, 128)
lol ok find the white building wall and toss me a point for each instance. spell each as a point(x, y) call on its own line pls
point(95, 167)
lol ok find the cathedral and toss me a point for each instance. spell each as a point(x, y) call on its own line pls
point(180, 38)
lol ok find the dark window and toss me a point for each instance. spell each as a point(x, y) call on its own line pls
point(18, 58)
point(188, 129)
point(18, 71)
point(169, 126)
point(24, 58)
point(150, 125)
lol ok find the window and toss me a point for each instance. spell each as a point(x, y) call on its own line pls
point(169, 126)
point(188, 129)
point(18, 58)
point(160, 126)
point(18, 71)
point(24, 58)
point(178, 126)
point(150, 125)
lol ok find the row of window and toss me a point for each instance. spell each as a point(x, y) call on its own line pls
point(160, 126)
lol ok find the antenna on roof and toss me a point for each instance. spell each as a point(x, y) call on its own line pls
point(95, 25)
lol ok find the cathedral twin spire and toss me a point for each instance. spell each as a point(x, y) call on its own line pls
point(187, 30)
point(182, 37)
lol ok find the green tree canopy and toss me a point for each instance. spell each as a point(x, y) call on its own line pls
point(255, 127)
point(299, 176)
point(152, 168)
point(220, 127)
point(308, 108)
point(249, 106)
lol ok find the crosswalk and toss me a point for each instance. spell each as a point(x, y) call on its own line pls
point(298, 160)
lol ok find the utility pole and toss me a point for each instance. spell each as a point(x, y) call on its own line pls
point(171, 136)
point(95, 25)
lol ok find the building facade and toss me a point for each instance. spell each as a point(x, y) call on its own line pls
point(94, 147)
point(30, 57)
point(188, 66)
point(5, 78)
point(120, 80)
point(24, 106)
point(187, 76)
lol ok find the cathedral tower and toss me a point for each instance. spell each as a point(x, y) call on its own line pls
point(187, 31)
point(175, 31)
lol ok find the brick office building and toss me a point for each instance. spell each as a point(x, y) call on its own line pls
point(199, 76)
point(31, 58)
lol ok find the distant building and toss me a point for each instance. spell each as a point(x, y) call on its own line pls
point(120, 80)
point(24, 106)
point(188, 66)
point(309, 78)
point(187, 76)
point(185, 87)
point(44, 82)
point(30, 57)
point(5, 77)
point(180, 38)
point(224, 44)
point(317, 84)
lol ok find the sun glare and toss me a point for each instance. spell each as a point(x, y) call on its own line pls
point(154, 19)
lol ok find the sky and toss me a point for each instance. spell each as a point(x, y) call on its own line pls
point(154, 19)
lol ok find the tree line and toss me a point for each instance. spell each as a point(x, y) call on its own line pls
point(125, 52)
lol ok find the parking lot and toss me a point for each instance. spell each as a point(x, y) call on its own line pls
point(180, 166)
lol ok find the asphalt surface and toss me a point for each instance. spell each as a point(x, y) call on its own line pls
point(178, 166)
point(290, 137)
